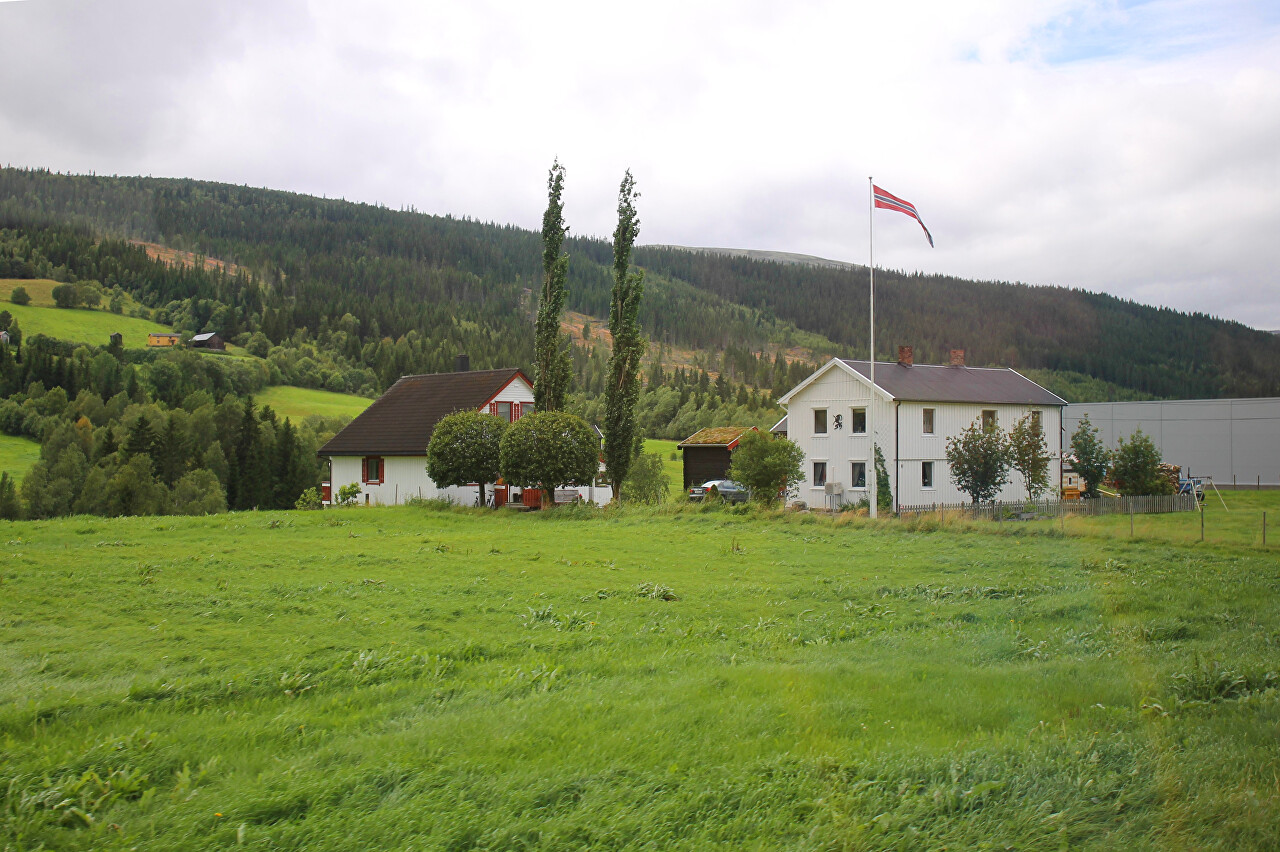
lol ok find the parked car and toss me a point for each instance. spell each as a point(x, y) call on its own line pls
point(729, 491)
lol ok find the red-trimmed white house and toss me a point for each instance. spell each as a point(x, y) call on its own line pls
point(384, 450)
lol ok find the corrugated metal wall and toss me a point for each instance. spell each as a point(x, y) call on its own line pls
point(1231, 440)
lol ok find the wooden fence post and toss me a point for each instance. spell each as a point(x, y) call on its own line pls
point(1264, 529)
point(1130, 517)
point(1202, 522)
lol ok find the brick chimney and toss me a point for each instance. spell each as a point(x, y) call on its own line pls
point(462, 363)
point(957, 357)
point(904, 356)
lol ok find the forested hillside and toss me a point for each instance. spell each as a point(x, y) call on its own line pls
point(1156, 352)
point(378, 293)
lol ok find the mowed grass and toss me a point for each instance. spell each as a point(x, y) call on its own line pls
point(694, 678)
point(17, 455)
point(288, 401)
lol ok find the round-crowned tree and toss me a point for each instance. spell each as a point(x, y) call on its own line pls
point(769, 466)
point(548, 449)
point(464, 449)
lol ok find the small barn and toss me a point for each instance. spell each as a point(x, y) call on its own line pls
point(707, 453)
point(117, 339)
point(163, 338)
point(208, 340)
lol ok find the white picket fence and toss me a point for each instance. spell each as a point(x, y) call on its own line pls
point(1022, 509)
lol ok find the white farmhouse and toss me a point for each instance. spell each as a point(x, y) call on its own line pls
point(917, 408)
point(384, 450)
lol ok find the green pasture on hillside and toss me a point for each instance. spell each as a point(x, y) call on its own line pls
point(288, 401)
point(80, 325)
point(690, 678)
point(17, 455)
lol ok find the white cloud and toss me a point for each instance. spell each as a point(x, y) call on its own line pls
point(1124, 148)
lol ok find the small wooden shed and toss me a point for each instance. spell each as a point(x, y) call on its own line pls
point(208, 340)
point(707, 453)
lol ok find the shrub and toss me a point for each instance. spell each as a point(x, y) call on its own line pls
point(1135, 467)
point(1029, 455)
point(1092, 458)
point(20, 296)
point(309, 500)
point(348, 493)
point(979, 461)
point(770, 466)
point(647, 481)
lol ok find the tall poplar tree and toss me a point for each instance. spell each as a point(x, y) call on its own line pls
point(629, 345)
point(552, 366)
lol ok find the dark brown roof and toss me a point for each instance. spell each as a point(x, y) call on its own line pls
point(931, 383)
point(715, 436)
point(400, 422)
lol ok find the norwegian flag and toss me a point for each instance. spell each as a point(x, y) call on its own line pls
point(889, 201)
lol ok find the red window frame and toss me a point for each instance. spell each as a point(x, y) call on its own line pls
point(380, 467)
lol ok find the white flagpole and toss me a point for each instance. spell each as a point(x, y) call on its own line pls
point(871, 407)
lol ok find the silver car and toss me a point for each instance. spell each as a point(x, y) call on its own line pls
point(729, 491)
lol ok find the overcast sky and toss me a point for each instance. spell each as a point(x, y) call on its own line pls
point(1125, 147)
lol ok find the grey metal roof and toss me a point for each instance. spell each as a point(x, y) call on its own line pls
point(935, 383)
point(206, 336)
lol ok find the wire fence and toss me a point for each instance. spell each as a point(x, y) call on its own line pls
point(1029, 509)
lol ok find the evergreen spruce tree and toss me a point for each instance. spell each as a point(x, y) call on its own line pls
point(623, 388)
point(552, 364)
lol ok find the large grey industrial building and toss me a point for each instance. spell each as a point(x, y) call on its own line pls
point(1234, 441)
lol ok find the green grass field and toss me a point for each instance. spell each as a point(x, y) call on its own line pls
point(17, 455)
point(674, 468)
point(80, 325)
point(288, 401)
point(684, 679)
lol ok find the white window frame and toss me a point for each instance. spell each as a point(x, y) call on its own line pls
point(853, 480)
point(853, 420)
point(933, 476)
point(826, 426)
point(826, 472)
point(929, 421)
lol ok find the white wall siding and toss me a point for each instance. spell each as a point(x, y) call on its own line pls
point(518, 390)
point(950, 419)
point(839, 393)
point(403, 477)
point(900, 434)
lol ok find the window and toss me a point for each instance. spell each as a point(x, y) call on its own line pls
point(989, 418)
point(859, 477)
point(525, 409)
point(372, 470)
point(928, 421)
point(926, 474)
point(504, 411)
point(819, 474)
point(819, 421)
point(1036, 424)
point(859, 421)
